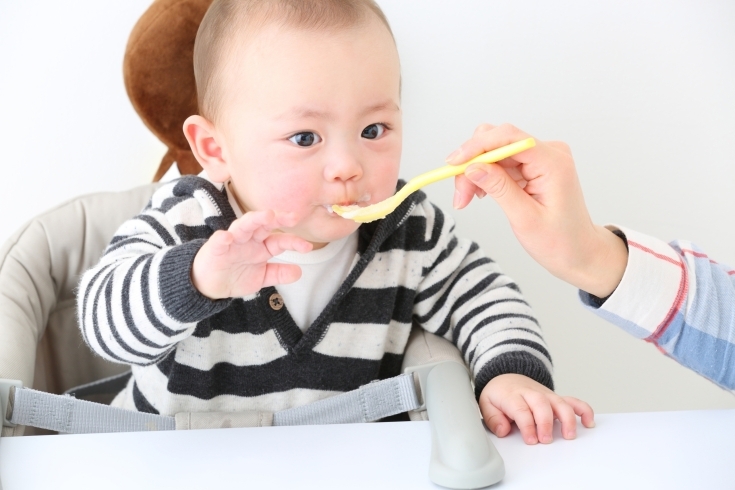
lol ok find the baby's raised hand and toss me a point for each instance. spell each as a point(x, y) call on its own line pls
point(533, 407)
point(233, 263)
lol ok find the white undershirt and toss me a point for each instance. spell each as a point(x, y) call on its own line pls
point(322, 273)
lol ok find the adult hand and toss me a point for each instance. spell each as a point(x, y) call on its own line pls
point(539, 191)
point(233, 263)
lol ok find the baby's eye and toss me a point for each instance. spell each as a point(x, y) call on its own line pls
point(373, 131)
point(307, 138)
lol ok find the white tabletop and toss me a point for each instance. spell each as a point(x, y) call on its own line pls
point(671, 450)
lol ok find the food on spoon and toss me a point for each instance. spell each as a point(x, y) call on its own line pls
point(348, 212)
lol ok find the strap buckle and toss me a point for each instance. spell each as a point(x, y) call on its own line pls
point(7, 388)
point(420, 375)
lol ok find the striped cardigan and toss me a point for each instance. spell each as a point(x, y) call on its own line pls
point(189, 353)
point(676, 297)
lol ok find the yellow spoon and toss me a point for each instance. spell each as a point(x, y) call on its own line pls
point(383, 208)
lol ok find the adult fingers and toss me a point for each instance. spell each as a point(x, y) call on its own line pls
point(511, 197)
point(516, 175)
point(486, 138)
point(583, 409)
point(565, 413)
point(560, 146)
point(464, 190)
point(542, 414)
point(483, 128)
point(277, 243)
point(276, 274)
point(532, 163)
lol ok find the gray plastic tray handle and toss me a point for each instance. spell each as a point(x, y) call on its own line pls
point(462, 455)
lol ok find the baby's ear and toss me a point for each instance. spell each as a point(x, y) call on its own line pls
point(203, 139)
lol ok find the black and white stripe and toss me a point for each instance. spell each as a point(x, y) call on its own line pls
point(138, 306)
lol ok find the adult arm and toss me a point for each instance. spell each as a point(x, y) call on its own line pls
point(674, 296)
point(540, 194)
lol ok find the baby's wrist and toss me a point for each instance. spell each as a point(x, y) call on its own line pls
point(198, 281)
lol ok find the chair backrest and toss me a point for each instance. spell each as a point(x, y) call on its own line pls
point(40, 268)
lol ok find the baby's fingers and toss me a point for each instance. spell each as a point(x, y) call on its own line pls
point(495, 420)
point(245, 226)
point(542, 414)
point(278, 243)
point(565, 413)
point(219, 243)
point(519, 411)
point(583, 409)
point(257, 225)
point(280, 220)
point(276, 274)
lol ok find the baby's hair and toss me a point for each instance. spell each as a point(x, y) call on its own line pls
point(224, 17)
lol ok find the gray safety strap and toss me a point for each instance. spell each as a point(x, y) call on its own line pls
point(69, 415)
point(366, 404)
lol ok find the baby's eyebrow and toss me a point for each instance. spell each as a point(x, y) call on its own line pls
point(388, 105)
point(304, 112)
point(311, 113)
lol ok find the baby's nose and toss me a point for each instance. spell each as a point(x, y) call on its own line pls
point(344, 167)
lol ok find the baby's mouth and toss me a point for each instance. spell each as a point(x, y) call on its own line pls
point(360, 203)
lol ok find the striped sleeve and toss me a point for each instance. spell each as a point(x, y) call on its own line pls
point(676, 297)
point(138, 302)
point(465, 298)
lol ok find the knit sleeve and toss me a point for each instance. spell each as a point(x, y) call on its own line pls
point(674, 296)
point(465, 298)
point(138, 302)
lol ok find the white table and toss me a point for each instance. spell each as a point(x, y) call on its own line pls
point(671, 450)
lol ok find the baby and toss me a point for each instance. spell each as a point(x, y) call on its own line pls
point(241, 290)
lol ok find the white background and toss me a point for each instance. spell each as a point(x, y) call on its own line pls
point(643, 91)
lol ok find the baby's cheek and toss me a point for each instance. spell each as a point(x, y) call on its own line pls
point(289, 196)
point(384, 187)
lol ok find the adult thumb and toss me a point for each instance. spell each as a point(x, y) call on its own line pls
point(495, 181)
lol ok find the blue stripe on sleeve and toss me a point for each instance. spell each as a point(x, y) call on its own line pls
point(705, 354)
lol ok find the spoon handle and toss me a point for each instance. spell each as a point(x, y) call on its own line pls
point(451, 170)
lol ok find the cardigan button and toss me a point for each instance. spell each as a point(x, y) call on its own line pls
point(276, 301)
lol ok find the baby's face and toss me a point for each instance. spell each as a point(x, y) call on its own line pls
point(311, 119)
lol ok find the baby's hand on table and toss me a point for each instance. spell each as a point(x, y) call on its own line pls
point(233, 263)
point(533, 407)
